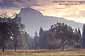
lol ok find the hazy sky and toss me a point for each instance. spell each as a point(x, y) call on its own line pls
point(70, 12)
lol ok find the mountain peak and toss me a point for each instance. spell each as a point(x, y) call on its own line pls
point(30, 11)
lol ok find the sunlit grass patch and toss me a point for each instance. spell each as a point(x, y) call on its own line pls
point(47, 53)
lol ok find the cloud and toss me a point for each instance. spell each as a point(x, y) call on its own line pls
point(9, 12)
point(17, 3)
point(27, 3)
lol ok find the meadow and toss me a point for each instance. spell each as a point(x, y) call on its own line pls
point(43, 53)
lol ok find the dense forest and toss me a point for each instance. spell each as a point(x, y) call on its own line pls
point(59, 36)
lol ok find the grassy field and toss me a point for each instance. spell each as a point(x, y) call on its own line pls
point(43, 53)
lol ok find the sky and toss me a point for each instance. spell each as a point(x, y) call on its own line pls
point(73, 11)
point(69, 10)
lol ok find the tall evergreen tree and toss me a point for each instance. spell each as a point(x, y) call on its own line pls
point(83, 37)
point(43, 39)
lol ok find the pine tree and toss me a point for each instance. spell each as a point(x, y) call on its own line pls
point(83, 37)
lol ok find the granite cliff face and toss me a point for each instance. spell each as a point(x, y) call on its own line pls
point(33, 20)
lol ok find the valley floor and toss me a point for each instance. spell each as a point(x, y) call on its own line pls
point(43, 53)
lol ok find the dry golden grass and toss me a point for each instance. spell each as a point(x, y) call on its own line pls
point(43, 53)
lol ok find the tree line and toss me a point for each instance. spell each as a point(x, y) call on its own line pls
point(59, 36)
